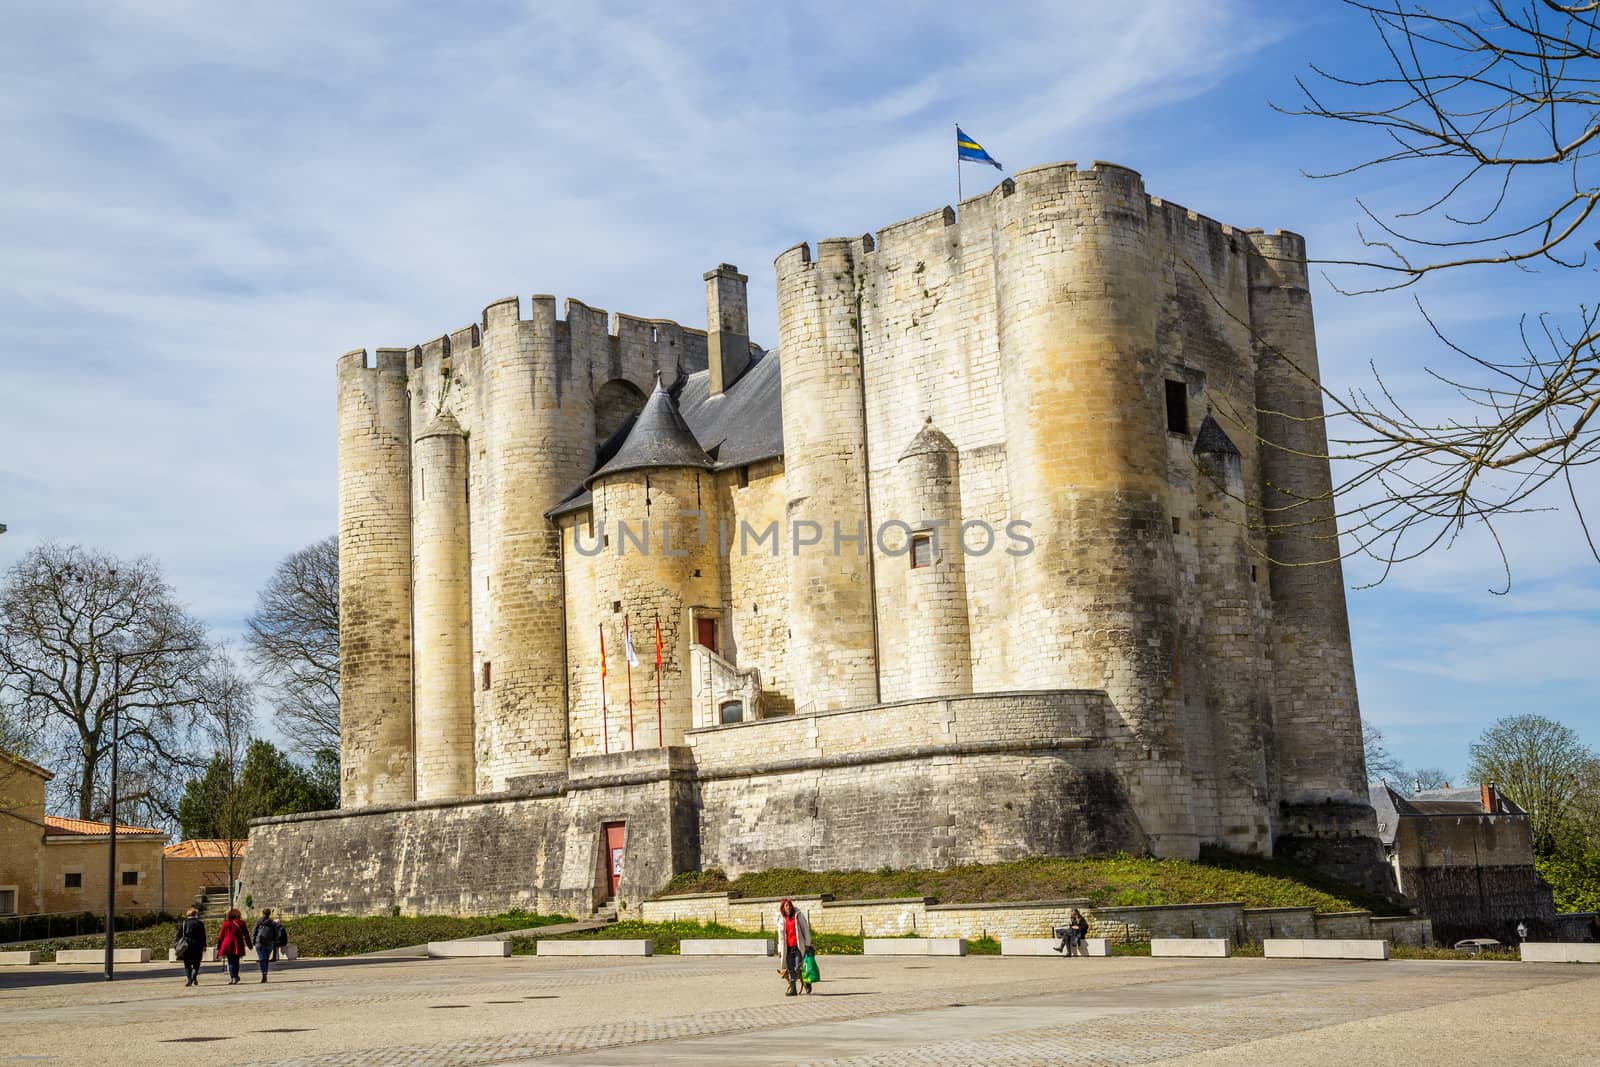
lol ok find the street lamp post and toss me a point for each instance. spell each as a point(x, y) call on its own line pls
point(111, 850)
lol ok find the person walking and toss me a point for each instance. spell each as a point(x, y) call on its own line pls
point(266, 938)
point(794, 938)
point(190, 946)
point(232, 942)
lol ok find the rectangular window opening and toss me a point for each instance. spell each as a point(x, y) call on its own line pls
point(488, 677)
point(744, 477)
point(1177, 407)
point(74, 880)
point(921, 550)
point(1175, 524)
point(130, 877)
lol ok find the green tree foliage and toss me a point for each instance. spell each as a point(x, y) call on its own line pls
point(220, 805)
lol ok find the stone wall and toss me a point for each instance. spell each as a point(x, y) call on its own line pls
point(1473, 875)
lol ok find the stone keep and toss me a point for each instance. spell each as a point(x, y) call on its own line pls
point(1015, 544)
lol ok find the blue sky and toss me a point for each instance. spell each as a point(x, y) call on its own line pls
point(204, 206)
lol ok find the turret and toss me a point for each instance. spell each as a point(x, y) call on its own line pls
point(656, 520)
point(443, 617)
point(727, 325)
point(1086, 465)
point(935, 647)
point(1318, 720)
point(374, 580)
point(833, 654)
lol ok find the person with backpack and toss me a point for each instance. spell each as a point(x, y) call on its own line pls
point(794, 941)
point(232, 942)
point(190, 946)
point(266, 938)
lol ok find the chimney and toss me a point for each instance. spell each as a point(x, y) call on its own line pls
point(727, 327)
point(1491, 798)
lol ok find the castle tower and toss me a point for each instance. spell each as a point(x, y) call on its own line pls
point(936, 650)
point(538, 420)
point(833, 654)
point(443, 619)
point(374, 580)
point(656, 502)
point(728, 319)
point(1086, 464)
point(1317, 717)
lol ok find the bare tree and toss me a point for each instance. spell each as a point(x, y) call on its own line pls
point(1501, 101)
point(227, 719)
point(1429, 778)
point(1382, 765)
point(294, 641)
point(1543, 766)
point(65, 611)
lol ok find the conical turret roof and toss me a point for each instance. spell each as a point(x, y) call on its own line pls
point(659, 438)
point(1211, 438)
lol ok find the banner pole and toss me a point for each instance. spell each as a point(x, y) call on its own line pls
point(627, 640)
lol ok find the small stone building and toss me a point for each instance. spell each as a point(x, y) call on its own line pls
point(1465, 858)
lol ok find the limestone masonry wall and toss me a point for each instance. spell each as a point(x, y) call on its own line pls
point(1126, 628)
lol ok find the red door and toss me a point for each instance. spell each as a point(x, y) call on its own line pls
point(615, 833)
point(705, 633)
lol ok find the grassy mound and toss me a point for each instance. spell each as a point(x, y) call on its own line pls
point(327, 935)
point(1105, 881)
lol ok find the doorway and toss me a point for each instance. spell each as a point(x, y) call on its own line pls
point(615, 835)
point(705, 632)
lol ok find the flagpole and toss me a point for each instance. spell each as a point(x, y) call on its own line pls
point(958, 166)
point(658, 681)
point(605, 717)
point(627, 638)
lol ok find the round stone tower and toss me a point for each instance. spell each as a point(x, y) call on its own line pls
point(1075, 263)
point(443, 616)
point(655, 506)
point(936, 657)
point(374, 580)
point(833, 654)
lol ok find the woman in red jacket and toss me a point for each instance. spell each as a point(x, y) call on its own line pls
point(233, 942)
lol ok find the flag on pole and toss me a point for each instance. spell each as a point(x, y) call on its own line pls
point(602, 653)
point(970, 151)
point(627, 639)
point(658, 644)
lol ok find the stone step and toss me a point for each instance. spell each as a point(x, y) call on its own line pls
point(1046, 946)
point(914, 946)
point(1330, 948)
point(631, 947)
point(1190, 946)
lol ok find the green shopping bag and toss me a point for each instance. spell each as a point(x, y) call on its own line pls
point(808, 968)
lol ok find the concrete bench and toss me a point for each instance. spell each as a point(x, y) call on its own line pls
point(288, 953)
point(1326, 948)
point(1190, 946)
point(632, 947)
point(914, 946)
point(98, 955)
point(1559, 952)
point(18, 959)
point(462, 949)
point(1046, 946)
point(727, 946)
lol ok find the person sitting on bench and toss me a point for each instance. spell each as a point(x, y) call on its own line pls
point(1072, 935)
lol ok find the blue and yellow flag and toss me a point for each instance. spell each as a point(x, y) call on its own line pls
point(970, 151)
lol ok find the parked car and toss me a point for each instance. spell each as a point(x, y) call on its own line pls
point(1474, 945)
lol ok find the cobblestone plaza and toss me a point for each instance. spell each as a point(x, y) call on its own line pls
point(867, 1011)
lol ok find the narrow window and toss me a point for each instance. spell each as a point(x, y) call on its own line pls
point(1177, 407)
point(744, 477)
point(1174, 524)
point(74, 879)
point(1252, 572)
point(487, 677)
point(130, 877)
point(921, 550)
point(616, 606)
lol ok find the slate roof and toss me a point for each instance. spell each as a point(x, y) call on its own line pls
point(1390, 806)
point(743, 425)
point(658, 438)
point(1213, 439)
point(55, 826)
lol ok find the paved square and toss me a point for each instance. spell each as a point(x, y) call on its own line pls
point(883, 1012)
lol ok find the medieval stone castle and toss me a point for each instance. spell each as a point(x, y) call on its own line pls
point(1010, 546)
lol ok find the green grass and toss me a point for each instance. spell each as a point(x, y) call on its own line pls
point(327, 935)
point(665, 937)
point(1104, 880)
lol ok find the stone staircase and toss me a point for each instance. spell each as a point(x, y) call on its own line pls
point(607, 911)
point(212, 902)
